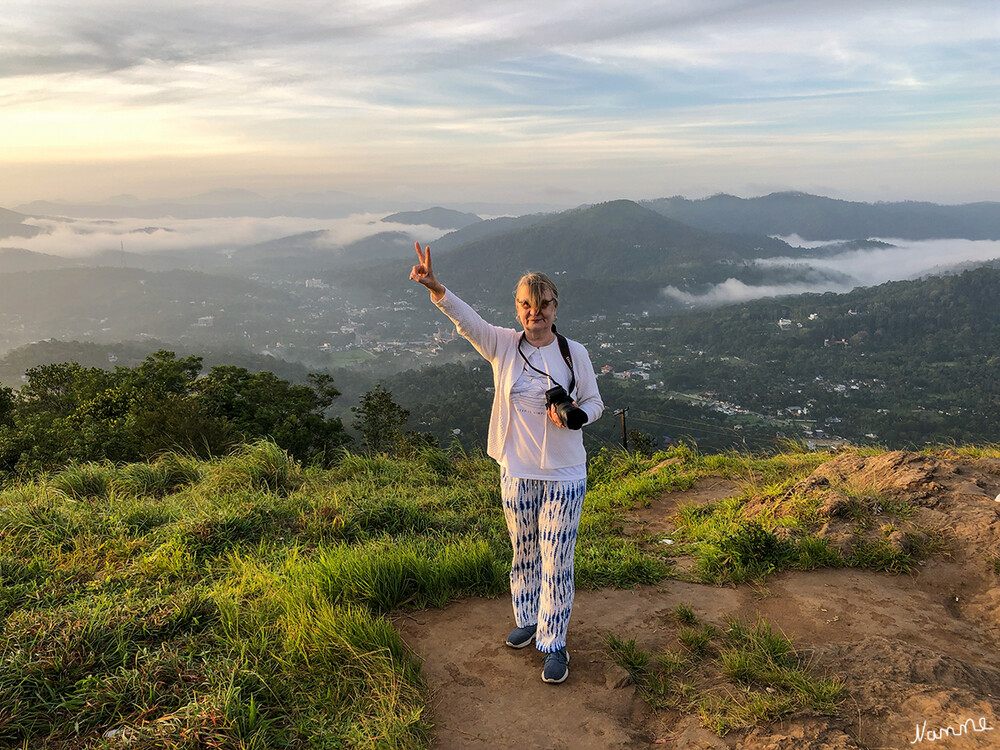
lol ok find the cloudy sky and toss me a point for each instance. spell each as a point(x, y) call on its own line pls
point(554, 101)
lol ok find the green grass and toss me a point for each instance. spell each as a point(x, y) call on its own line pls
point(349, 358)
point(737, 679)
point(627, 655)
point(696, 640)
point(772, 525)
point(244, 602)
point(684, 614)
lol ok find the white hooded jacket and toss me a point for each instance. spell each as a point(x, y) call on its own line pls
point(499, 346)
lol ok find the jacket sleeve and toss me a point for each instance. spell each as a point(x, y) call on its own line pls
point(482, 335)
point(588, 397)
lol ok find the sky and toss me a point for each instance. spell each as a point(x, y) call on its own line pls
point(560, 102)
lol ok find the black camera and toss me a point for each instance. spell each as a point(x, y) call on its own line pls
point(572, 416)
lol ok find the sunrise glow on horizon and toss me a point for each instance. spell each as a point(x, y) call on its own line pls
point(442, 100)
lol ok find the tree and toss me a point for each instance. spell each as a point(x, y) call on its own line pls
point(379, 420)
point(6, 405)
point(66, 412)
point(641, 443)
point(263, 405)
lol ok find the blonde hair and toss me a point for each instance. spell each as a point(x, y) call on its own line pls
point(537, 284)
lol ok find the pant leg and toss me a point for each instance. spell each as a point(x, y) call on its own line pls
point(558, 521)
point(521, 501)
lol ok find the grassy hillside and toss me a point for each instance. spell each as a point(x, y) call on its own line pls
point(246, 601)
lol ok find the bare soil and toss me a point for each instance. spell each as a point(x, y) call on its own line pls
point(915, 651)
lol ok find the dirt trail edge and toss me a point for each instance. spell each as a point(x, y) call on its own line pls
point(918, 653)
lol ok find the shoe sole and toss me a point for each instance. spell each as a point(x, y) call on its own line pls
point(523, 644)
point(561, 679)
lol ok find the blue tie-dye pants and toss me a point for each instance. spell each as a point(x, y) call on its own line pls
point(542, 520)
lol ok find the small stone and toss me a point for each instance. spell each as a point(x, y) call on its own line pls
point(617, 677)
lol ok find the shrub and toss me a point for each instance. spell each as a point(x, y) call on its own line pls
point(85, 481)
point(261, 465)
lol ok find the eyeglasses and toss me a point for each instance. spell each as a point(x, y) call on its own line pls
point(543, 305)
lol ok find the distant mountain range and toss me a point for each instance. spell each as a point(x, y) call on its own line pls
point(613, 256)
point(329, 204)
point(812, 217)
point(442, 218)
point(816, 218)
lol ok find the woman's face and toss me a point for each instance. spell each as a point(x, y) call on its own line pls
point(535, 319)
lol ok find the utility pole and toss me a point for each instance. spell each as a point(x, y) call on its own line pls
point(623, 412)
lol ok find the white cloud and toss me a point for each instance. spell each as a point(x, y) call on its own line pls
point(734, 290)
point(906, 260)
point(82, 237)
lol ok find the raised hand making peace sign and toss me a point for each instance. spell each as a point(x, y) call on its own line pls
point(422, 273)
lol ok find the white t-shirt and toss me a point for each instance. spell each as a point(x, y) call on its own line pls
point(529, 421)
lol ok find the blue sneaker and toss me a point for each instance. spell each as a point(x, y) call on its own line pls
point(521, 637)
point(555, 668)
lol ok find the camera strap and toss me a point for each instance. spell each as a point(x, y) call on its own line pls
point(564, 351)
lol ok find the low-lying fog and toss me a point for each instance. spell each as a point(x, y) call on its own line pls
point(907, 259)
point(81, 238)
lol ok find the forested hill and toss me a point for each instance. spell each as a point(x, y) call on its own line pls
point(608, 255)
point(910, 362)
point(816, 218)
point(936, 319)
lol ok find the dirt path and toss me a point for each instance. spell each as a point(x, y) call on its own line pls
point(912, 650)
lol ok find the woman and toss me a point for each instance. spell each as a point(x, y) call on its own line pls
point(543, 465)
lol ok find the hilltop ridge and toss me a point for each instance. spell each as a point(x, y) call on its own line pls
point(859, 602)
point(814, 217)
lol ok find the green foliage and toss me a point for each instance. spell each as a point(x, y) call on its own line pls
point(816, 553)
point(383, 577)
point(642, 443)
point(379, 419)
point(879, 555)
point(84, 481)
point(729, 547)
point(68, 413)
point(262, 465)
point(919, 366)
point(244, 600)
point(6, 405)
point(770, 526)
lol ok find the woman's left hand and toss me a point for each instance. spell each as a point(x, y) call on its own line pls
point(554, 416)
